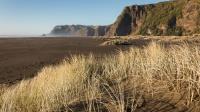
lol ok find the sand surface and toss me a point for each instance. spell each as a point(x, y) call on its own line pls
point(22, 58)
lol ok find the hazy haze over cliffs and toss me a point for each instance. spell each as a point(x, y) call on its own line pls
point(79, 30)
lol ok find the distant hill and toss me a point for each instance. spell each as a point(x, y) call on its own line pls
point(79, 30)
point(178, 17)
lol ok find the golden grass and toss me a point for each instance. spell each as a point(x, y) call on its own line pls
point(153, 78)
point(139, 40)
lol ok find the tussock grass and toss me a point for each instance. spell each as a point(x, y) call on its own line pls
point(153, 78)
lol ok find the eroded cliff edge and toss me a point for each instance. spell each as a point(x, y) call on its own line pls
point(178, 17)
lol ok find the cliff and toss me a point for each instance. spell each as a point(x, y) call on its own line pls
point(179, 17)
point(79, 30)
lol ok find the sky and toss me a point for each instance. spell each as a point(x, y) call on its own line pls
point(36, 17)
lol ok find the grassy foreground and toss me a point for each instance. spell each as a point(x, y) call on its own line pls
point(153, 78)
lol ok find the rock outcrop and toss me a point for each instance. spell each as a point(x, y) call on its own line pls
point(178, 17)
point(175, 17)
point(79, 30)
point(129, 21)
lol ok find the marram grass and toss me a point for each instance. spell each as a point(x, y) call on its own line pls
point(153, 78)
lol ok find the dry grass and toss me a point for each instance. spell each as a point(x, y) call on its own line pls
point(139, 40)
point(153, 78)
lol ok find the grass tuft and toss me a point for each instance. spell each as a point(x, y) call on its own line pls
point(152, 78)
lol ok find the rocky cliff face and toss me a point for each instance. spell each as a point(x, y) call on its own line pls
point(178, 17)
point(190, 20)
point(79, 30)
point(129, 21)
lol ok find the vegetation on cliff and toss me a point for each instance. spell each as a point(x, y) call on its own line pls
point(179, 17)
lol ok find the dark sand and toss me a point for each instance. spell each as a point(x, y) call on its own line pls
point(22, 58)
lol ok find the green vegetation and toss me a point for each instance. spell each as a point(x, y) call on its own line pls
point(176, 31)
point(118, 42)
point(163, 15)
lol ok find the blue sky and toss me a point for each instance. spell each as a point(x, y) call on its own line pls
point(29, 17)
